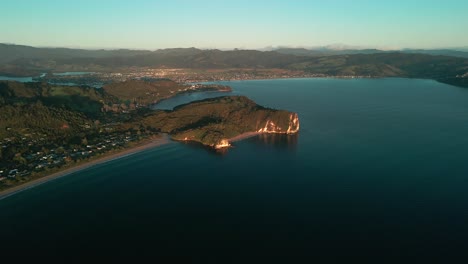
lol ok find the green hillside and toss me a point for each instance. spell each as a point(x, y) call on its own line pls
point(82, 99)
point(386, 65)
point(23, 60)
point(212, 120)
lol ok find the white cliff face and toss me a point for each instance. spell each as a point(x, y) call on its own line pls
point(293, 124)
point(271, 127)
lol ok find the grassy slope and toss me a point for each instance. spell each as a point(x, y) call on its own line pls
point(208, 121)
point(387, 65)
point(39, 108)
point(143, 92)
point(82, 99)
point(37, 119)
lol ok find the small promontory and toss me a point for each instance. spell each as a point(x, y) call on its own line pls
point(145, 93)
point(217, 121)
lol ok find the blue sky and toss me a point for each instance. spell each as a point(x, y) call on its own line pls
point(146, 24)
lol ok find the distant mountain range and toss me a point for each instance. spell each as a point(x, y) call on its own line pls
point(10, 52)
point(21, 58)
point(444, 65)
point(332, 52)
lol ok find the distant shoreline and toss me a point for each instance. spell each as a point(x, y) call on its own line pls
point(124, 153)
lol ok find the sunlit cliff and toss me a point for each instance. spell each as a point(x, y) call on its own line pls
point(213, 122)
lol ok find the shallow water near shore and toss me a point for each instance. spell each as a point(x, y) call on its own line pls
point(379, 167)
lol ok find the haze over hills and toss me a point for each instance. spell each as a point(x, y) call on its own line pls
point(328, 51)
point(178, 57)
point(445, 65)
point(121, 122)
point(11, 52)
point(325, 51)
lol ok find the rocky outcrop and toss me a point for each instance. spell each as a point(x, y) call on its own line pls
point(215, 122)
point(224, 143)
point(271, 127)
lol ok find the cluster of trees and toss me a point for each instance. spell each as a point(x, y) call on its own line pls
point(38, 119)
point(211, 120)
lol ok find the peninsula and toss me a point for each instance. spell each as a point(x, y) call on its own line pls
point(49, 130)
point(218, 121)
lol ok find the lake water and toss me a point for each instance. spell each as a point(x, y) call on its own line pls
point(18, 79)
point(30, 79)
point(378, 169)
point(72, 73)
point(187, 98)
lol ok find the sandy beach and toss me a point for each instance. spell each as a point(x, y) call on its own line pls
point(124, 153)
point(244, 136)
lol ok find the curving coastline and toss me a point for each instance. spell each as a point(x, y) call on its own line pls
point(269, 128)
point(124, 153)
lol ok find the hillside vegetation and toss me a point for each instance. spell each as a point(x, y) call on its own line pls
point(45, 127)
point(82, 99)
point(212, 120)
point(143, 92)
point(23, 60)
point(386, 65)
point(38, 121)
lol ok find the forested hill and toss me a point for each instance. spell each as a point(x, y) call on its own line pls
point(173, 58)
point(86, 100)
point(10, 53)
point(22, 60)
point(451, 70)
point(212, 121)
point(320, 52)
point(394, 64)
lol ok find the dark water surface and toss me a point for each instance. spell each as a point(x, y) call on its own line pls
point(379, 169)
point(18, 79)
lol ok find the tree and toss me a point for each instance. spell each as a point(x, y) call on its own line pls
point(60, 150)
point(45, 150)
point(18, 158)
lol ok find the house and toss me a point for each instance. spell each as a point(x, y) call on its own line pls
point(25, 173)
point(13, 173)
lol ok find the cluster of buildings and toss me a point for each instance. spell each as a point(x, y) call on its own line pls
point(32, 161)
point(191, 76)
point(98, 79)
point(181, 75)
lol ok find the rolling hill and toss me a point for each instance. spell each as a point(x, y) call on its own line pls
point(23, 60)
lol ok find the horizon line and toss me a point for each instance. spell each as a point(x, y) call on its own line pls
point(332, 47)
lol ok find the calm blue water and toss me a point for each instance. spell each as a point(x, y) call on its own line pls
point(18, 79)
point(187, 98)
point(72, 73)
point(379, 169)
point(30, 79)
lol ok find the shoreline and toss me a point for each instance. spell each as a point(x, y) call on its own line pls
point(153, 143)
point(243, 136)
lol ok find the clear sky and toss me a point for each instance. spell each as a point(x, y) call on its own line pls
point(154, 24)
